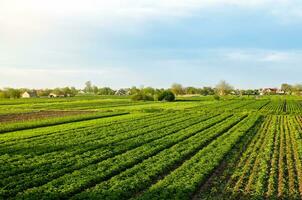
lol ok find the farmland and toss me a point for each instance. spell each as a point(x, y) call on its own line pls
point(115, 148)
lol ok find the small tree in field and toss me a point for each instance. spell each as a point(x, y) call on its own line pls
point(223, 88)
point(166, 95)
point(177, 89)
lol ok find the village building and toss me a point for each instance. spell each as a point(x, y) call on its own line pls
point(54, 95)
point(29, 94)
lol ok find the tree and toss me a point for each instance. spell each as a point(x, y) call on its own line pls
point(166, 95)
point(177, 89)
point(287, 88)
point(149, 90)
point(88, 87)
point(58, 91)
point(106, 91)
point(207, 91)
point(13, 93)
point(73, 91)
point(297, 89)
point(134, 90)
point(43, 92)
point(223, 88)
point(141, 96)
point(3, 94)
point(95, 89)
point(191, 90)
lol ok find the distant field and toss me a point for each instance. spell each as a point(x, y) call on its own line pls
point(114, 148)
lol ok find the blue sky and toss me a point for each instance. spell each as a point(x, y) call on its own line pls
point(250, 44)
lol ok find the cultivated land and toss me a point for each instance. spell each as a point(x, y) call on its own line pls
point(113, 148)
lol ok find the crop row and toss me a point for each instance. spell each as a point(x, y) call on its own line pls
point(86, 124)
point(87, 144)
point(47, 173)
point(186, 179)
point(60, 136)
point(271, 166)
point(55, 121)
point(142, 175)
point(92, 174)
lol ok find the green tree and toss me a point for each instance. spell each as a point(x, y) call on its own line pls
point(73, 91)
point(13, 93)
point(106, 91)
point(177, 89)
point(207, 91)
point(191, 90)
point(287, 88)
point(149, 90)
point(95, 89)
point(166, 95)
point(223, 88)
point(88, 87)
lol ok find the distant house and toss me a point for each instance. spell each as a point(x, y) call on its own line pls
point(280, 92)
point(266, 91)
point(52, 95)
point(29, 94)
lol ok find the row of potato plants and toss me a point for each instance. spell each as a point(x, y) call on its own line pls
point(142, 175)
point(186, 179)
point(246, 163)
point(296, 140)
point(82, 136)
point(119, 124)
point(276, 106)
point(273, 170)
point(90, 162)
point(93, 174)
point(216, 185)
point(51, 158)
point(22, 135)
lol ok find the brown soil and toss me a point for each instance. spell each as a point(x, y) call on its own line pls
point(17, 117)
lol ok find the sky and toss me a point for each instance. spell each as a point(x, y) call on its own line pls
point(124, 43)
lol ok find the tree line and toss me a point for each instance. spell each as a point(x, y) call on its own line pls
point(145, 93)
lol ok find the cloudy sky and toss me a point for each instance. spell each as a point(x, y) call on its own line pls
point(121, 43)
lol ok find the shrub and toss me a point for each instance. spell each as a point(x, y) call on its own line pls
point(142, 97)
point(166, 96)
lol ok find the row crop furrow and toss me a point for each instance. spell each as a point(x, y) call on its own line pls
point(241, 175)
point(80, 169)
point(141, 176)
point(79, 137)
point(184, 181)
point(69, 157)
point(94, 174)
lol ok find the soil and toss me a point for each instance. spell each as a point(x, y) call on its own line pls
point(17, 117)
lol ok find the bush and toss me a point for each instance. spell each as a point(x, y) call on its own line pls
point(142, 97)
point(166, 96)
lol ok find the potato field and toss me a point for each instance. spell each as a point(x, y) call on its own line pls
point(193, 148)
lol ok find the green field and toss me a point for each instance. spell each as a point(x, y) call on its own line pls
point(114, 148)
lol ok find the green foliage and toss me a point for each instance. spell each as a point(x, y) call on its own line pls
point(177, 89)
point(142, 97)
point(216, 97)
point(157, 151)
point(207, 91)
point(166, 96)
point(223, 88)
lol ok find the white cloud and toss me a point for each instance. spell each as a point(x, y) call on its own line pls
point(27, 14)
